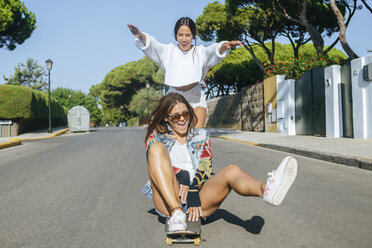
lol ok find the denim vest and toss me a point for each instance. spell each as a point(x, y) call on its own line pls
point(195, 143)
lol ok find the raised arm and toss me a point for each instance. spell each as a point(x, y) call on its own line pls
point(217, 51)
point(137, 33)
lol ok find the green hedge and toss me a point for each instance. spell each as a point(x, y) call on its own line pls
point(29, 105)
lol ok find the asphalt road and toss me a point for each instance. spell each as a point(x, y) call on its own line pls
point(83, 190)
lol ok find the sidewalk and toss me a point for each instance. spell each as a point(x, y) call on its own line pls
point(352, 152)
point(39, 134)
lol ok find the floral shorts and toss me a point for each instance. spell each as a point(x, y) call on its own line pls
point(195, 96)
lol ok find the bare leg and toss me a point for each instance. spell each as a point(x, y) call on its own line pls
point(217, 188)
point(201, 113)
point(164, 183)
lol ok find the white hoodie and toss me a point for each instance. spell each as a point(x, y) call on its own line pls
point(182, 68)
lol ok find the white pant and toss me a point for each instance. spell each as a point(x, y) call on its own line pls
point(195, 96)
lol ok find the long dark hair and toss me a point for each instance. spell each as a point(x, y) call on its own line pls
point(188, 22)
point(191, 24)
point(157, 121)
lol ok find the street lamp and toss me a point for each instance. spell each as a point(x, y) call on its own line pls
point(49, 64)
point(148, 102)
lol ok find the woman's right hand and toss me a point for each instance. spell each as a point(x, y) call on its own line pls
point(134, 30)
point(137, 33)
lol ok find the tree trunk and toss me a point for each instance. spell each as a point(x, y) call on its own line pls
point(260, 65)
point(316, 37)
point(342, 35)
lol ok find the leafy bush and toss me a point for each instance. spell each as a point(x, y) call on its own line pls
point(286, 64)
point(121, 84)
point(133, 122)
point(69, 98)
point(138, 104)
point(30, 106)
point(294, 68)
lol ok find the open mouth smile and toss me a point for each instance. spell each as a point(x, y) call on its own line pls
point(182, 125)
point(184, 45)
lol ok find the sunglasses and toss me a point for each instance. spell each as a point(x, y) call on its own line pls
point(175, 118)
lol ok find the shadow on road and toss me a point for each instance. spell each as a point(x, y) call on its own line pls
point(160, 219)
point(253, 225)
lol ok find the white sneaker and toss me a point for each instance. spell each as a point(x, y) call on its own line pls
point(177, 222)
point(280, 180)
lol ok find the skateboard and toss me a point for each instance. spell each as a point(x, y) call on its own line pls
point(191, 235)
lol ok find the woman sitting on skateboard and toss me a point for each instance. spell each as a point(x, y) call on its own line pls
point(179, 161)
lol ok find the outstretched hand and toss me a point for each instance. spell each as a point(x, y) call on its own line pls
point(134, 30)
point(230, 44)
point(234, 43)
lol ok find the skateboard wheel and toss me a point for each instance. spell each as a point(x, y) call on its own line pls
point(197, 241)
point(169, 241)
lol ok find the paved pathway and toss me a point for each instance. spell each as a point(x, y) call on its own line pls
point(83, 190)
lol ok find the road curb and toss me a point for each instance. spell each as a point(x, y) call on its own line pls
point(60, 132)
point(358, 162)
point(10, 144)
point(237, 140)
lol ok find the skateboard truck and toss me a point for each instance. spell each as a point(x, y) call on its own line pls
point(190, 235)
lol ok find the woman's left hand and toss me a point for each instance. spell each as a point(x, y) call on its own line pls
point(194, 213)
point(184, 189)
point(232, 44)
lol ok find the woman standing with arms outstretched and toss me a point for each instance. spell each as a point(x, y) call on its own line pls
point(184, 65)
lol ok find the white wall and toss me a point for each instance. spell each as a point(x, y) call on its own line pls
point(362, 99)
point(286, 106)
point(333, 101)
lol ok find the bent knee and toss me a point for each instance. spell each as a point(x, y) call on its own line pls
point(156, 149)
point(232, 169)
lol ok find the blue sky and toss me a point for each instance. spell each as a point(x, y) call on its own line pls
point(88, 38)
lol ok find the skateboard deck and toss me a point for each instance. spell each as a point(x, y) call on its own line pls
point(190, 235)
